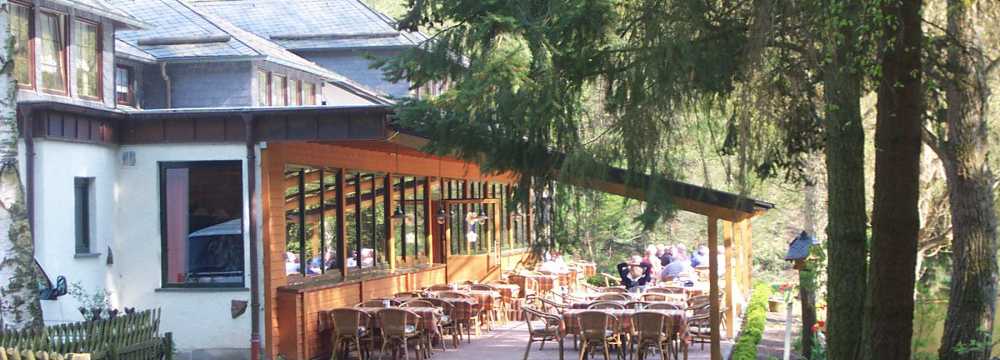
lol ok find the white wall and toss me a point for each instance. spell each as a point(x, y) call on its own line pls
point(127, 220)
point(199, 318)
point(56, 164)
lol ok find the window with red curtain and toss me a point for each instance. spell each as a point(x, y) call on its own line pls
point(202, 209)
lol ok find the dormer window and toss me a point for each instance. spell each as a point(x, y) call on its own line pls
point(53, 57)
point(279, 90)
point(87, 59)
point(21, 30)
point(124, 93)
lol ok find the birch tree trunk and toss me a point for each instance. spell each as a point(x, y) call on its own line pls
point(972, 296)
point(895, 219)
point(19, 302)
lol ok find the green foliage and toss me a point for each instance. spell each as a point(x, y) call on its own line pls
point(753, 326)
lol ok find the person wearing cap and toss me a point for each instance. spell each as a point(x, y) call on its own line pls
point(635, 273)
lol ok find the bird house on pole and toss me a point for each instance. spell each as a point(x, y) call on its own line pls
point(798, 250)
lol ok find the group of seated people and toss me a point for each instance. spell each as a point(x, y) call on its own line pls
point(662, 263)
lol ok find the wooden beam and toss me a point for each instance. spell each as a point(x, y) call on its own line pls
point(727, 236)
point(713, 287)
point(429, 222)
point(390, 235)
point(341, 225)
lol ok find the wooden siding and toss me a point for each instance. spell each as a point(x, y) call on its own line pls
point(303, 310)
point(295, 326)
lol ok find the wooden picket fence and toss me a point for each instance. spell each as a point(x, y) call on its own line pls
point(15, 354)
point(126, 337)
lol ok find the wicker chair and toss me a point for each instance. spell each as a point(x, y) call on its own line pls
point(552, 329)
point(440, 287)
point(665, 306)
point(636, 305)
point(699, 324)
point(408, 295)
point(417, 303)
point(376, 303)
point(653, 297)
point(666, 290)
point(599, 329)
point(350, 327)
point(400, 326)
point(552, 306)
point(466, 317)
point(614, 297)
point(653, 329)
point(613, 289)
point(607, 305)
point(446, 325)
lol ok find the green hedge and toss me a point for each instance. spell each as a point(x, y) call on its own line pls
point(753, 324)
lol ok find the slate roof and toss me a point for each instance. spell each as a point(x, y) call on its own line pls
point(105, 9)
point(178, 31)
point(314, 24)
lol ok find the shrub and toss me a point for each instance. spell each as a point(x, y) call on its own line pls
point(753, 325)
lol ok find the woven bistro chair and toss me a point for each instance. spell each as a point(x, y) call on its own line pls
point(665, 306)
point(653, 297)
point(495, 309)
point(446, 325)
point(606, 305)
point(653, 329)
point(417, 303)
point(666, 290)
point(636, 305)
point(613, 289)
point(376, 303)
point(408, 295)
point(399, 326)
point(552, 306)
point(699, 324)
point(599, 329)
point(440, 287)
point(613, 297)
point(551, 329)
point(464, 314)
point(350, 327)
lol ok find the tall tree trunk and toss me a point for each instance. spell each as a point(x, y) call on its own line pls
point(19, 302)
point(895, 219)
point(845, 182)
point(807, 275)
point(974, 243)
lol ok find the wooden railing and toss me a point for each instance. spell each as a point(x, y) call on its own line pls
point(127, 337)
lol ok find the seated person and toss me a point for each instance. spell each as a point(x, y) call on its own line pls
point(680, 266)
point(635, 274)
point(700, 257)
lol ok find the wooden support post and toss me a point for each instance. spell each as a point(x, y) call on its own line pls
point(430, 220)
point(390, 235)
point(341, 225)
point(748, 241)
point(727, 236)
point(739, 262)
point(713, 287)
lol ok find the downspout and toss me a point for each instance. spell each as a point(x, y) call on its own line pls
point(252, 231)
point(166, 80)
point(29, 166)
